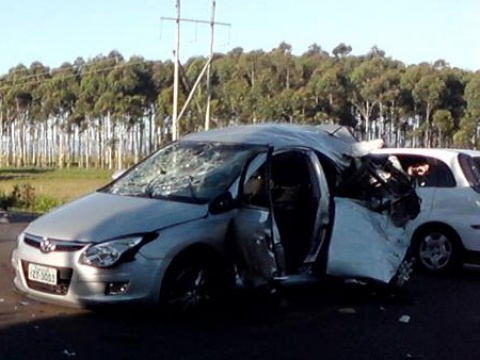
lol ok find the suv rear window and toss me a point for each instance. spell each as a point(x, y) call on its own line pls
point(471, 168)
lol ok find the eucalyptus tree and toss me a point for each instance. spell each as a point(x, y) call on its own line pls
point(341, 50)
point(93, 86)
point(232, 87)
point(22, 103)
point(453, 97)
point(428, 93)
point(443, 120)
point(289, 70)
point(282, 61)
point(162, 78)
point(310, 60)
point(245, 84)
point(314, 51)
point(60, 94)
point(250, 74)
point(4, 135)
point(124, 105)
point(146, 95)
point(368, 86)
point(390, 110)
point(411, 109)
point(278, 77)
point(327, 90)
point(468, 133)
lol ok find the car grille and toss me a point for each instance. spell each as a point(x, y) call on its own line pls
point(56, 245)
point(64, 275)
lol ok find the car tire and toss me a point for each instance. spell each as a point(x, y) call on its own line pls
point(191, 283)
point(437, 249)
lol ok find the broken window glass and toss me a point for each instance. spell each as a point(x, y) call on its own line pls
point(185, 171)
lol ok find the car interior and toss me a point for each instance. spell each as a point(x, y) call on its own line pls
point(295, 201)
point(294, 205)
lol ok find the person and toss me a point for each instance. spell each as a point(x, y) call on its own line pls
point(418, 172)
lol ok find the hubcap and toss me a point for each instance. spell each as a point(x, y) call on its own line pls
point(435, 251)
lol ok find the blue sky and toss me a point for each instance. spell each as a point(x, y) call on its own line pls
point(412, 31)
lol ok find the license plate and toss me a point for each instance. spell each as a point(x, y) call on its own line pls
point(43, 274)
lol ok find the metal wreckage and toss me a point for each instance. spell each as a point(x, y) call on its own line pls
point(330, 208)
point(265, 203)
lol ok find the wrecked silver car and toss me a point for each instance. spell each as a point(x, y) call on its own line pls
point(248, 205)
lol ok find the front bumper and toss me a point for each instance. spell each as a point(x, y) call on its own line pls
point(137, 281)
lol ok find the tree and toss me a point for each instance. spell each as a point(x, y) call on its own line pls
point(467, 136)
point(367, 88)
point(443, 121)
point(315, 50)
point(109, 111)
point(341, 50)
point(327, 87)
point(427, 93)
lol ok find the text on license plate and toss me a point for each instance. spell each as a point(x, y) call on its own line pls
point(43, 274)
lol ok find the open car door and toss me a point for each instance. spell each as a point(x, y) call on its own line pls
point(284, 216)
point(260, 255)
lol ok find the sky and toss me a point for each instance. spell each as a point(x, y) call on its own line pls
point(411, 31)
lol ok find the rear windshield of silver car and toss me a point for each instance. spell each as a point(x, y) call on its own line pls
point(471, 168)
point(187, 171)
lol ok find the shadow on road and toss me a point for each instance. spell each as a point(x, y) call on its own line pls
point(434, 318)
point(244, 328)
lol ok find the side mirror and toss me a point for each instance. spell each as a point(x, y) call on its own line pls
point(222, 203)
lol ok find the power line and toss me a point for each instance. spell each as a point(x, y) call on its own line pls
point(212, 23)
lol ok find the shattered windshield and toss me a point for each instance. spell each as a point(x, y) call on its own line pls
point(185, 171)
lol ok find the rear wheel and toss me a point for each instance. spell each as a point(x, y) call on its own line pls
point(437, 249)
point(191, 283)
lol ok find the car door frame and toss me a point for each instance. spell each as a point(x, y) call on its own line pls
point(270, 240)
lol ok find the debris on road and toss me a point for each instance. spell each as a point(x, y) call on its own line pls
point(405, 319)
point(347, 310)
point(69, 353)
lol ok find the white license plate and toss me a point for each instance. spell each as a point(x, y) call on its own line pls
point(43, 274)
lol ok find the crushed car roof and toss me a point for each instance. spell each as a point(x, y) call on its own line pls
point(334, 141)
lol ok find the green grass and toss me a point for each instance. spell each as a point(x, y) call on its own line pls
point(61, 185)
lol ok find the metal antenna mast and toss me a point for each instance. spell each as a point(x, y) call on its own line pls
point(178, 20)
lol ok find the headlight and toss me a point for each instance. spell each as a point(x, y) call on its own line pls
point(108, 253)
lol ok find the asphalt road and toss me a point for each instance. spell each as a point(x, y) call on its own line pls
point(437, 318)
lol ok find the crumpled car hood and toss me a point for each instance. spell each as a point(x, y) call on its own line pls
point(100, 216)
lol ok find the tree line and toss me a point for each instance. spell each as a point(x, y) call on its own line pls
point(109, 111)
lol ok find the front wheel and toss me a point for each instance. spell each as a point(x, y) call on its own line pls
point(191, 283)
point(437, 250)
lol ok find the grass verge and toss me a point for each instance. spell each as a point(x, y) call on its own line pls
point(51, 186)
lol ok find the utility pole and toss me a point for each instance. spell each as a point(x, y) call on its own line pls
point(175, 75)
point(209, 81)
point(178, 19)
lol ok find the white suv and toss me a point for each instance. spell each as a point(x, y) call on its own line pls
point(446, 233)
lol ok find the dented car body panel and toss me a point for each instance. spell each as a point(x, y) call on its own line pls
point(366, 244)
point(259, 203)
